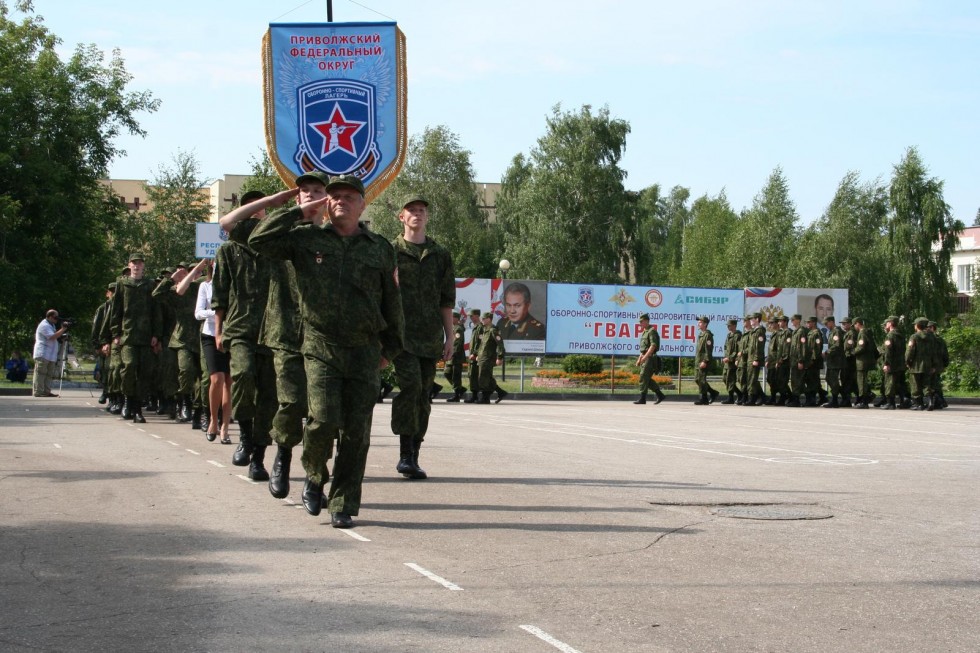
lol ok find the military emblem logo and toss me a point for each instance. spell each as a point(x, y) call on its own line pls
point(586, 296)
point(337, 127)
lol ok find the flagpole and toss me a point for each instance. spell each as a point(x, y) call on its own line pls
point(329, 11)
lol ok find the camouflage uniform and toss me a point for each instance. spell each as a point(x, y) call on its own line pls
point(490, 347)
point(836, 362)
point(865, 356)
point(784, 338)
point(848, 381)
point(352, 316)
point(135, 320)
point(755, 353)
point(893, 355)
point(241, 289)
point(473, 374)
point(922, 360)
point(102, 362)
point(166, 379)
point(185, 341)
point(799, 354)
point(811, 375)
point(650, 338)
point(454, 366)
point(704, 353)
point(730, 371)
point(427, 283)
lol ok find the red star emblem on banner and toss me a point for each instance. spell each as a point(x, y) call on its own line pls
point(338, 132)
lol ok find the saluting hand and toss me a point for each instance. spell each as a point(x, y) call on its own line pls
point(279, 199)
point(312, 209)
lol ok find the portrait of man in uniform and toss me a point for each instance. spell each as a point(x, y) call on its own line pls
point(518, 323)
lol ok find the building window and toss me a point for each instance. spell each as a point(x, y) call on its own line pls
point(964, 278)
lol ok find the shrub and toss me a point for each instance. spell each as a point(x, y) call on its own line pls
point(582, 364)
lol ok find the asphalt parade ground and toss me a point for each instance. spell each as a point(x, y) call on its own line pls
point(544, 526)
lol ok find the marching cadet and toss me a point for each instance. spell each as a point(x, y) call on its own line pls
point(181, 290)
point(811, 376)
point(166, 378)
point(785, 338)
point(100, 346)
point(799, 354)
point(834, 358)
point(352, 325)
point(922, 360)
point(648, 361)
point(893, 363)
point(865, 356)
point(755, 360)
point(742, 371)
point(730, 361)
point(474, 371)
point(454, 365)
point(427, 282)
point(136, 326)
point(848, 381)
point(772, 359)
point(942, 362)
point(490, 352)
point(703, 355)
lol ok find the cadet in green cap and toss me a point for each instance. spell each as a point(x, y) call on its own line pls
point(490, 352)
point(742, 372)
point(942, 362)
point(755, 360)
point(427, 281)
point(704, 348)
point(352, 325)
point(784, 339)
point(799, 360)
point(729, 361)
point(811, 376)
point(162, 400)
point(921, 359)
point(180, 292)
point(865, 355)
point(892, 364)
point(834, 357)
point(648, 361)
point(240, 295)
point(772, 358)
point(848, 381)
point(136, 325)
point(101, 346)
point(474, 368)
point(454, 365)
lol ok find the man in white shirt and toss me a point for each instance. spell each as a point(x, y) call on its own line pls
point(46, 353)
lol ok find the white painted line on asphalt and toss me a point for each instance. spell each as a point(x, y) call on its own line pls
point(289, 501)
point(540, 634)
point(359, 537)
point(176, 444)
point(247, 479)
point(141, 430)
point(215, 463)
point(57, 446)
point(87, 403)
point(192, 451)
point(439, 579)
point(154, 435)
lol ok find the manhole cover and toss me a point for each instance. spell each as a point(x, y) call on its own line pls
point(772, 512)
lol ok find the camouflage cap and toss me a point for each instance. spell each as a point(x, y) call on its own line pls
point(933, 325)
point(756, 316)
point(111, 286)
point(797, 316)
point(124, 272)
point(812, 318)
point(892, 318)
point(922, 322)
point(733, 322)
point(846, 319)
point(455, 313)
point(315, 176)
point(347, 180)
point(487, 314)
point(772, 319)
point(250, 197)
point(783, 318)
point(165, 271)
point(644, 316)
point(136, 256)
point(474, 311)
point(748, 316)
point(704, 318)
point(412, 198)
point(828, 319)
point(185, 265)
point(858, 320)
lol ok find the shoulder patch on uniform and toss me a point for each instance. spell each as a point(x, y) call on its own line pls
point(761, 338)
point(836, 338)
point(861, 342)
point(888, 343)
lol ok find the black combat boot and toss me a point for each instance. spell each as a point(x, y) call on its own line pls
point(279, 479)
point(702, 400)
point(501, 394)
point(642, 399)
point(457, 396)
point(137, 411)
point(184, 411)
point(713, 395)
point(115, 404)
point(405, 467)
point(419, 473)
point(173, 408)
point(104, 397)
point(205, 419)
point(313, 497)
point(243, 454)
point(256, 467)
point(127, 408)
point(434, 391)
point(196, 418)
point(660, 397)
point(731, 399)
point(484, 398)
point(833, 403)
point(890, 404)
point(930, 403)
point(474, 397)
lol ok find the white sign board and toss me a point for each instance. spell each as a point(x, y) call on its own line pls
point(209, 238)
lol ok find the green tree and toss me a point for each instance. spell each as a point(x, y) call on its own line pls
point(263, 176)
point(676, 217)
point(704, 262)
point(644, 235)
point(845, 248)
point(565, 220)
point(58, 123)
point(763, 242)
point(922, 236)
point(165, 234)
point(438, 168)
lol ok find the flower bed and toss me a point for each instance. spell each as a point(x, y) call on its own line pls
point(561, 379)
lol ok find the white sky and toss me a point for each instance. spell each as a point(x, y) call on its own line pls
point(718, 93)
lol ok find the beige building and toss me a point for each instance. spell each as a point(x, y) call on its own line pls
point(964, 261)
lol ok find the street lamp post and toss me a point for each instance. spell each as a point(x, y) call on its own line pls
point(504, 267)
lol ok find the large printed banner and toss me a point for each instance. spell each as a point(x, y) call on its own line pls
point(335, 100)
point(808, 302)
point(590, 319)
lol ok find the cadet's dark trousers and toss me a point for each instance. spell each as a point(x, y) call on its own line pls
point(410, 409)
point(287, 425)
point(474, 377)
point(115, 368)
point(205, 384)
point(863, 387)
point(343, 387)
point(782, 378)
point(893, 382)
point(253, 388)
point(188, 370)
point(742, 380)
point(701, 379)
point(647, 382)
point(848, 380)
point(136, 370)
point(797, 379)
point(729, 376)
point(811, 379)
point(167, 381)
point(753, 387)
point(488, 384)
point(921, 383)
point(454, 374)
point(833, 380)
point(102, 362)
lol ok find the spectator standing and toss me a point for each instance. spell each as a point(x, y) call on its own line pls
point(46, 352)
